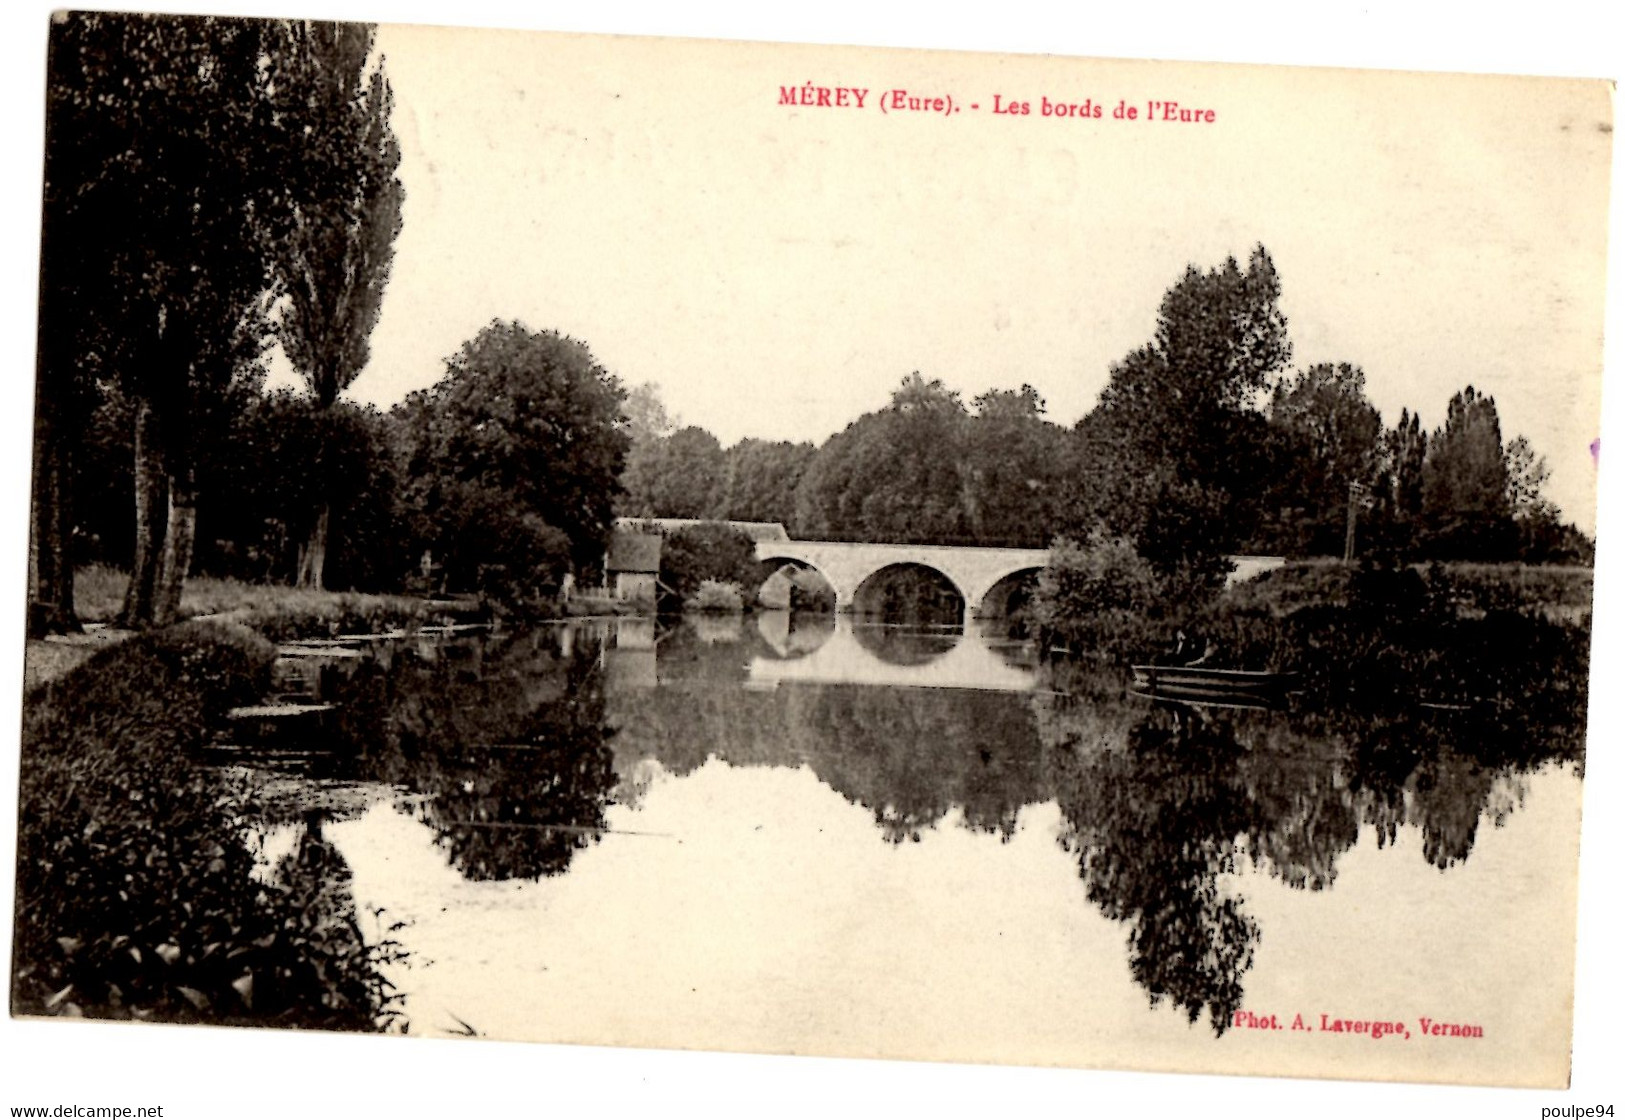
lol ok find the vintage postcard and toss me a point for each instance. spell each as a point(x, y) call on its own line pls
point(799, 550)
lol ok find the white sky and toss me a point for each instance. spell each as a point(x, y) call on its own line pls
point(1076, 297)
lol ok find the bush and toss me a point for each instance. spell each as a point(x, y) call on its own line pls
point(521, 573)
point(136, 890)
point(816, 597)
point(708, 551)
point(1100, 597)
point(483, 542)
point(717, 597)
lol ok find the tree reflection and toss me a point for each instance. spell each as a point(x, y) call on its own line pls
point(334, 963)
point(912, 756)
point(1154, 825)
point(1162, 803)
point(909, 756)
point(317, 879)
point(506, 753)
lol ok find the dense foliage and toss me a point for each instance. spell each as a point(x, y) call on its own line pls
point(714, 552)
point(513, 460)
point(926, 468)
point(1100, 598)
point(1204, 444)
point(335, 260)
point(137, 893)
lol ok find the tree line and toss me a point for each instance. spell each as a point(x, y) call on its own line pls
point(216, 187)
point(211, 185)
point(1204, 443)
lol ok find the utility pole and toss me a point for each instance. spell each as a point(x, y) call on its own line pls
point(1348, 536)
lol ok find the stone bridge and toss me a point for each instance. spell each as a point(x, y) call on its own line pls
point(973, 571)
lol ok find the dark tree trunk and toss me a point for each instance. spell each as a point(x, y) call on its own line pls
point(175, 560)
point(151, 496)
point(313, 553)
point(50, 545)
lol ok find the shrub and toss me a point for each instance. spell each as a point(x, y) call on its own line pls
point(522, 571)
point(715, 596)
point(1099, 597)
point(708, 551)
point(486, 543)
point(812, 595)
point(136, 891)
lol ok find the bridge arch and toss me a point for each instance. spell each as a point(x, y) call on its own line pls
point(998, 588)
point(972, 571)
point(799, 563)
point(933, 572)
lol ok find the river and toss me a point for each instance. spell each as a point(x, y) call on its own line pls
point(814, 835)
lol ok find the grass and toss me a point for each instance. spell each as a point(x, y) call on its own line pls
point(279, 613)
point(1548, 586)
point(1553, 589)
point(47, 661)
point(98, 592)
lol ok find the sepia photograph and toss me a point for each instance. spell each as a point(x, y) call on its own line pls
point(963, 569)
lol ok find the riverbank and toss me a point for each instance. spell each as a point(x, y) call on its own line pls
point(1559, 591)
point(279, 614)
point(138, 894)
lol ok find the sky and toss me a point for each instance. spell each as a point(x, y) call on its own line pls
point(777, 270)
point(1074, 296)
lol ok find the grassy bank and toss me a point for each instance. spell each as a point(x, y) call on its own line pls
point(1553, 590)
point(278, 612)
point(1509, 643)
point(138, 895)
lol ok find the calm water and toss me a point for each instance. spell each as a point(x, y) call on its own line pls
point(815, 835)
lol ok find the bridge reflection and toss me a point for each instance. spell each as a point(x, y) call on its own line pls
point(844, 651)
point(776, 647)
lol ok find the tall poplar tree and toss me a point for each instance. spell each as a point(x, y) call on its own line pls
point(342, 223)
point(1464, 483)
point(1174, 447)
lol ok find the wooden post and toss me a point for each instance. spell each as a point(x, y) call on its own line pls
point(1348, 536)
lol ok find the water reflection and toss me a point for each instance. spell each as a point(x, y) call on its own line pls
point(503, 748)
point(787, 635)
point(845, 651)
point(317, 878)
point(1168, 805)
point(516, 753)
point(1155, 827)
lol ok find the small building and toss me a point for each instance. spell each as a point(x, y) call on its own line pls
point(633, 565)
